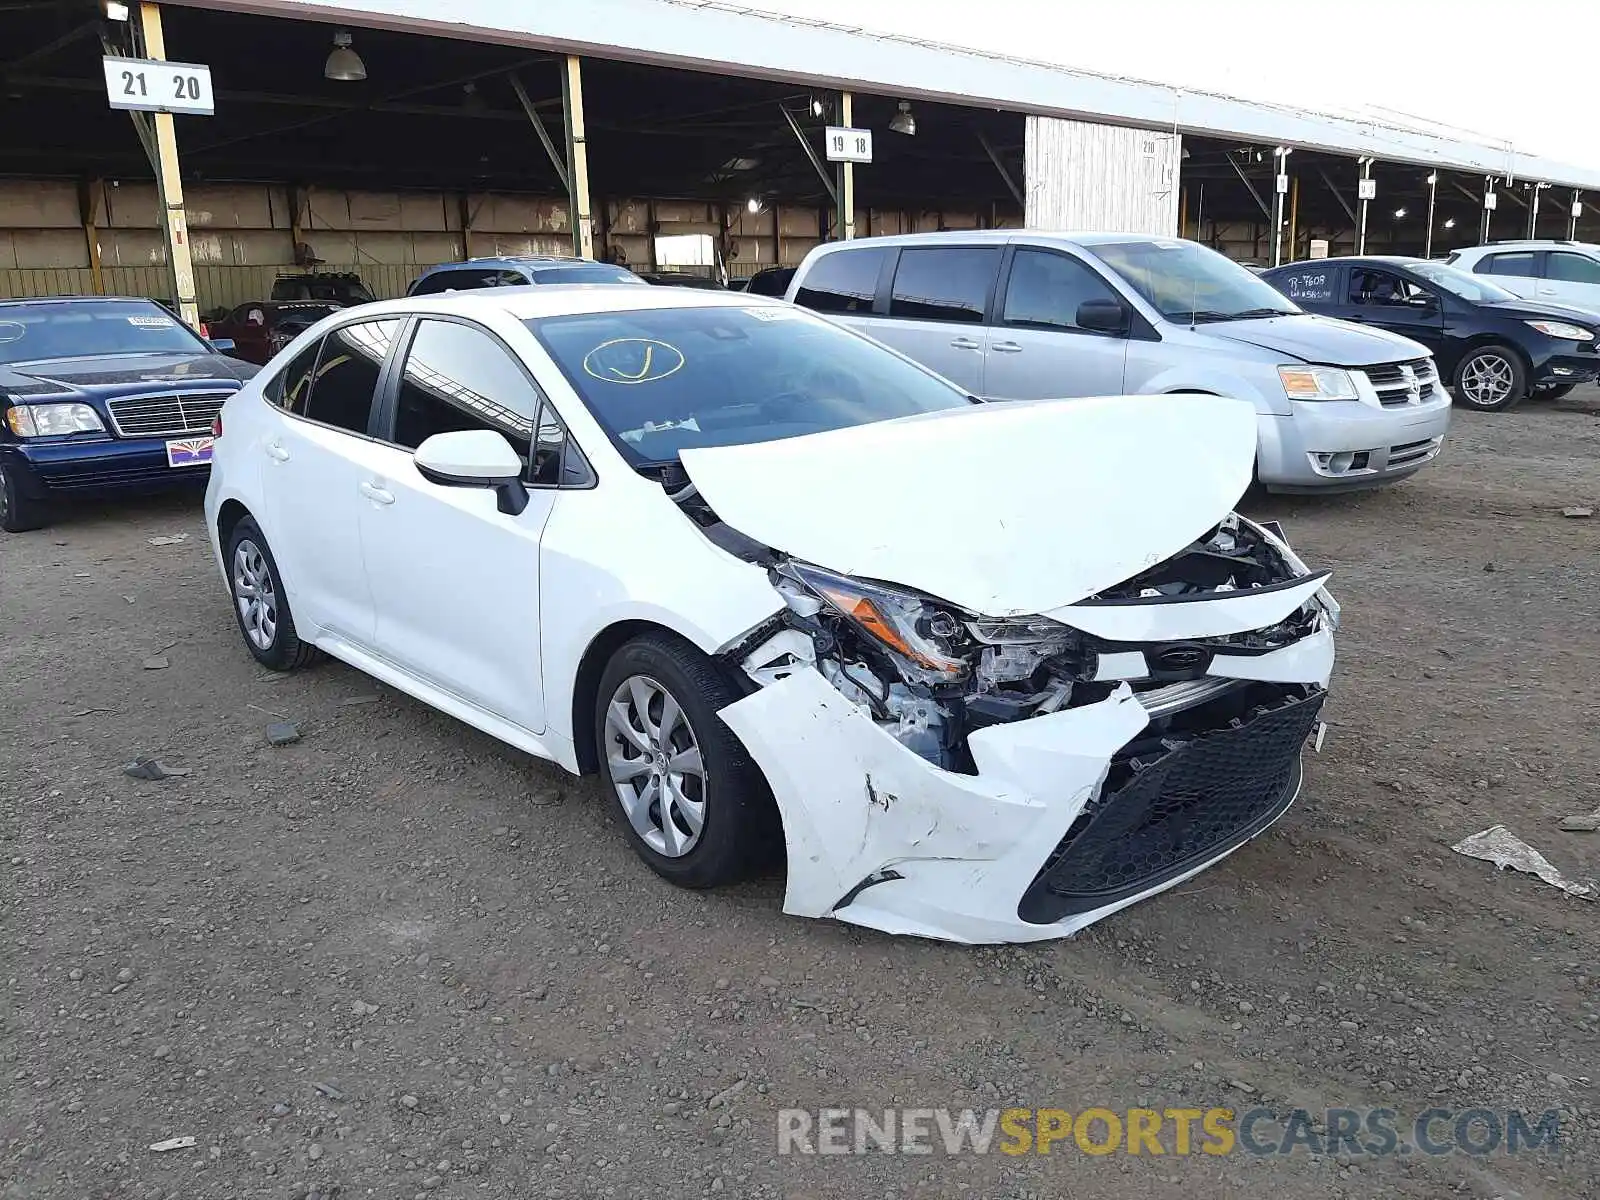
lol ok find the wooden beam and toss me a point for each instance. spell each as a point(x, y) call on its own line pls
point(169, 181)
point(577, 157)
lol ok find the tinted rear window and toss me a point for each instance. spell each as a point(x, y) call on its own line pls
point(944, 283)
point(842, 282)
point(588, 273)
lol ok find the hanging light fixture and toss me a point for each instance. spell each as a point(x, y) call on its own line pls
point(344, 64)
point(903, 121)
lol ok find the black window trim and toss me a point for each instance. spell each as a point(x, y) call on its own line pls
point(386, 410)
point(1139, 329)
point(884, 298)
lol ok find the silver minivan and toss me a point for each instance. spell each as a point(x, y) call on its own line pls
point(1022, 315)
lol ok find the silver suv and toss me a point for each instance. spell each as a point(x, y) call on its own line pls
point(1560, 272)
point(1015, 315)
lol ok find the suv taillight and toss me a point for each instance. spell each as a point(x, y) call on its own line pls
point(216, 426)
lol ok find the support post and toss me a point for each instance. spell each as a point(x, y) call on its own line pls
point(1572, 215)
point(91, 199)
point(1183, 212)
point(1433, 193)
point(1280, 187)
point(169, 184)
point(577, 157)
point(1533, 212)
point(777, 234)
point(847, 177)
point(1294, 219)
point(1488, 190)
point(1361, 221)
point(464, 211)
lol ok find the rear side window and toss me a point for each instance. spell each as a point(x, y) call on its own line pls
point(1310, 285)
point(1045, 289)
point(842, 282)
point(1506, 264)
point(347, 374)
point(1571, 268)
point(945, 283)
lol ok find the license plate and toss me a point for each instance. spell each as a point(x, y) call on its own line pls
point(189, 452)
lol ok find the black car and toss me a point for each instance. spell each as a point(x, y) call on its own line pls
point(1494, 348)
point(774, 281)
point(100, 394)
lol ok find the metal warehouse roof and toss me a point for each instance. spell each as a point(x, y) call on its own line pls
point(712, 36)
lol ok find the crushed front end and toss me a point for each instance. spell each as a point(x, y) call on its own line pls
point(989, 779)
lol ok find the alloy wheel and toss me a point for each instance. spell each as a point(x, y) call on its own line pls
point(5, 496)
point(1487, 380)
point(654, 761)
point(255, 594)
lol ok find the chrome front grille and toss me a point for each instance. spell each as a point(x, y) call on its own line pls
point(172, 414)
point(1404, 383)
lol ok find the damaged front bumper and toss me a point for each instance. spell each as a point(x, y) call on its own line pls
point(1184, 744)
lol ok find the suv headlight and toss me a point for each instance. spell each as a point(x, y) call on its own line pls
point(1317, 383)
point(43, 420)
point(1560, 329)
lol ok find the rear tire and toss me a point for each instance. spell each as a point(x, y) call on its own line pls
point(695, 807)
point(1491, 378)
point(19, 513)
point(260, 605)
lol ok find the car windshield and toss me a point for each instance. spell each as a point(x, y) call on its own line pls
point(1459, 283)
point(91, 329)
point(664, 380)
point(1188, 282)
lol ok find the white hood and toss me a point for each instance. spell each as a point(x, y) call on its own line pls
point(1007, 509)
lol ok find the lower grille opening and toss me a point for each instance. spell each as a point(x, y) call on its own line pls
point(1201, 783)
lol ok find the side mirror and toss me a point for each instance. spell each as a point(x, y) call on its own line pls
point(478, 458)
point(224, 345)
point(1103, 316)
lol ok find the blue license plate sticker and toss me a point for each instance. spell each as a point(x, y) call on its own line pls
point(189, 452)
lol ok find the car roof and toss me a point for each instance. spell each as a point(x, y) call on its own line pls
point(1391, 260)
point(530, 302)
point(543, 261)
point(1000, 237)
point(78, 299)
point(1530, 244)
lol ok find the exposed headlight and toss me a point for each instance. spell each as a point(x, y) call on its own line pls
point(918, 632)
point(43, 420)
point(1560, 329)
point(1317, 383)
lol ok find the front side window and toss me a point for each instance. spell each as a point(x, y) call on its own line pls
point(1045, 289)
point(663, 380)
point(845, 281)
point(1187, 282)
point(1382, 289)
point(92, 328)
point(1571, 268)
point(347, 373)
point(459, 377)
point(944, 283)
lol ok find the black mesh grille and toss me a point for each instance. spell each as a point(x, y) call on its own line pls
point(1161, 814)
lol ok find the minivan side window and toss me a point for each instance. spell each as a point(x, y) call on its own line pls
point(1045, 289)
point(1506, 264)
point(845, 281)
point(347, 373)
point(944, 283)
point(1571, 268)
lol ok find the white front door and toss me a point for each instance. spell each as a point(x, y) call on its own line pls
point(314, 456)
point(455, 582)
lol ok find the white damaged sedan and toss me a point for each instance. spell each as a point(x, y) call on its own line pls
point(980, 672)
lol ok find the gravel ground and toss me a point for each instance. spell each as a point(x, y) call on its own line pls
point(397, 959)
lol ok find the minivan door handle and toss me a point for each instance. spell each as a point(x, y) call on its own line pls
point(965, 343)
point(1006, 347)
point(377, 494)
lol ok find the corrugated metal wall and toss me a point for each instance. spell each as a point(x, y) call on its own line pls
point(1084, 176)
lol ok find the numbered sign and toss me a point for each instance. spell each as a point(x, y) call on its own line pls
point(849, 145)
point(150, 85)
point(1366, 189)
point(1489, 201)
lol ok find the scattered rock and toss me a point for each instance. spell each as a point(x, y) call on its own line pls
point(1577, 510)
point(281, 1109)
point(171, 539)
point(1585, 823)
point(327, 1089)
point(409, 1102)
point(157, 662)
point(177, 1143)
point(147, 768)
point(75, 974)
point(361, 1009)
point(283, 733)
point(314, 1151)
point(163, 1052)
point(125, 975)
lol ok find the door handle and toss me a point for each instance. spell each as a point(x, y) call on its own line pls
point(964, 343)
point(276, 452)
point(376, 494)
point(1006, 347)
point(1547, 291)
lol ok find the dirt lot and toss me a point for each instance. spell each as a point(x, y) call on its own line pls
point(398, 959)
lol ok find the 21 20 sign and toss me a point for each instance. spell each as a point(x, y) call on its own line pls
point(151, 85)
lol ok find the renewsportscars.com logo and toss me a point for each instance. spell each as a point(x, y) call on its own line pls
point(1178, 1132)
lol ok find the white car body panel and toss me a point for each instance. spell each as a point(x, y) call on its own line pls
point(489, 617)
point(1067, 465)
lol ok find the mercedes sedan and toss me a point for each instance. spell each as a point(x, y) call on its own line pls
point(979, 672)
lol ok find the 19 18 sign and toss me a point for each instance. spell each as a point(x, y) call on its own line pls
point(849, 145)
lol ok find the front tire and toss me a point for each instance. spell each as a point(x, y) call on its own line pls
point(259, 604)
point(19, 513)
point(1491, 378)
point(697, 809)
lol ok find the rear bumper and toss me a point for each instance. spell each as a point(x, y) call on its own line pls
point(1348, 445)
point(55, 470)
